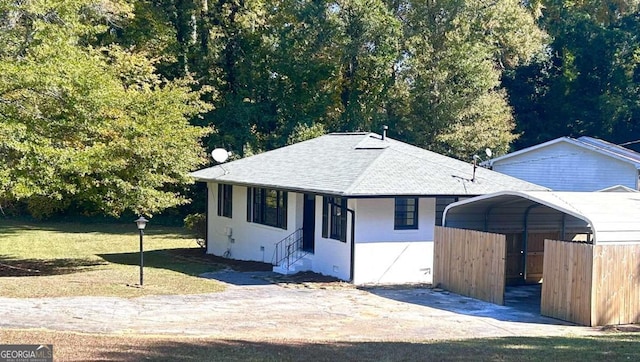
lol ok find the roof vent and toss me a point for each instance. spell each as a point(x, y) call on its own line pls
point(384, 131)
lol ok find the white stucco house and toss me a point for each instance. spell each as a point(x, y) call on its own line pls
point(568, 164)
point(358, 206)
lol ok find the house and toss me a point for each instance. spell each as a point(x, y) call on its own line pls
point(568, 164)
point(358, 206)
point(584, 247)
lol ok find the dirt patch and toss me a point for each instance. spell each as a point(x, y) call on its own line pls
point(199, 256)
point(628, 328)
point(304, 279)
point(309, 280)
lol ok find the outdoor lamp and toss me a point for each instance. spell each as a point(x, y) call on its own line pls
point(141, 222)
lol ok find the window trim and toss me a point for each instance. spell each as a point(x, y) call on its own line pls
point(258, 208)
point(405, 215)
point(441, 203)
point(225, 200)
point(334, 218)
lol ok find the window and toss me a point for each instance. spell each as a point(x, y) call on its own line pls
point(406, 213)
point(225, 200)
point(267, 207)
point(441, 204)
point(334, 218)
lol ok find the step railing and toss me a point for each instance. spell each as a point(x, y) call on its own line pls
point(289, 250)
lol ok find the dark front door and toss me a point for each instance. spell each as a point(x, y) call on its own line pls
point(309, 223)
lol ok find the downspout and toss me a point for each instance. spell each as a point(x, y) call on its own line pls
point(524, 241)
point(353, 239)
point(206, 223)
point(564, 220)
point(353, 243)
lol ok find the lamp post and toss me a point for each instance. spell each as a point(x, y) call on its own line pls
point(141, 222)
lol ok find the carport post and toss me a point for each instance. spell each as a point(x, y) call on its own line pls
point(525, 236)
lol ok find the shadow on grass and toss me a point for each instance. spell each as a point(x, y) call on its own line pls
point(180, 260)
point(14, 267)
point(8, 226)
point(612, 347)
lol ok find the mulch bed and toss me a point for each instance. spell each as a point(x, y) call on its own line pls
point(199, 256)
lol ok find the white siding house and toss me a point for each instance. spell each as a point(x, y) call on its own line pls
point(567, 164)
point(357, 206)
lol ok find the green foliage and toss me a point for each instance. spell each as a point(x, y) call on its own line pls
point(430, 70)
point(196, 224)
point(456, 54)
point(92, 125)
point(302, 132)
point(103, 104)
point(589, 83)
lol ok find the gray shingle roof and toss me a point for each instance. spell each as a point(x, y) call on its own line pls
point(361, 164)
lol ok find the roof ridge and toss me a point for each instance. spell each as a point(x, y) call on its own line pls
point(361, 177)
point(610, 147)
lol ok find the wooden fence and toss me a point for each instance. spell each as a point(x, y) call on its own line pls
point(470, 263)
point(616, 275)
point(566, 288)
point(591, 285)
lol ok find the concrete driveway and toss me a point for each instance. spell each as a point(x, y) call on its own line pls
point(254, 308)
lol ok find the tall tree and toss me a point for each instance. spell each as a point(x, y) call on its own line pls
point(95, 127)
point(589, 83)
point(456, 52)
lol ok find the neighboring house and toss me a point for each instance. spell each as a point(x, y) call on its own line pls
point(568, 164)
point(357, 206)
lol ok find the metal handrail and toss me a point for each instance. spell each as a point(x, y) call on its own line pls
point(289, 250)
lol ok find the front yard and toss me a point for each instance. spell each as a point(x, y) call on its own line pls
point(61, 260)
point(72, 259)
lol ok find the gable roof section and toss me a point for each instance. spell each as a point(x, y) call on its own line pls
point(360, 165)
point(585, 142)
point(612, 216)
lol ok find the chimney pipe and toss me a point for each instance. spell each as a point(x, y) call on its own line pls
point(384, 131)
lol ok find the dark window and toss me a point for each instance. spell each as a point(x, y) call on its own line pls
point(334, 218)
point(225, 200)
point(441, 204)
point(406, 213)
point(267, 207)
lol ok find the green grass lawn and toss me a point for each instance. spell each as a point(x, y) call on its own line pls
point(71, 259)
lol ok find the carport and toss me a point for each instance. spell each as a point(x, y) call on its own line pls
point(584, 247)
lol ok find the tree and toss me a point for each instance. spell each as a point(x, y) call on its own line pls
point(589, 83)
point(95, 127)
point(455, 54)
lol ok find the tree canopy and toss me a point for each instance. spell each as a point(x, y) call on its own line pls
point(107, 104)
point(93, 126)
point(588, 81)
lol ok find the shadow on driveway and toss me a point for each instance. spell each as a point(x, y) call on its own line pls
point(522, 303)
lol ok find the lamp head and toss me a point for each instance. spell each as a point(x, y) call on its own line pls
point(141, 222)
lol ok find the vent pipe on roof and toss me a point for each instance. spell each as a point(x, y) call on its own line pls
point(384, 131)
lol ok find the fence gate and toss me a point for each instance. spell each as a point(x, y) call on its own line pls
point(470, 263)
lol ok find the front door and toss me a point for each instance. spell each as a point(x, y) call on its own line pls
point(309, 223)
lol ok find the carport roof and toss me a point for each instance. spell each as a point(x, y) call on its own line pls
point(612, 216)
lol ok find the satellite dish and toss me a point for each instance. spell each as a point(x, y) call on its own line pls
point(488, 152)
point(220, 155)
